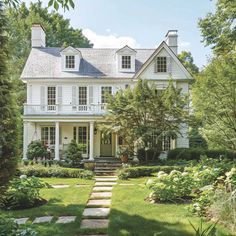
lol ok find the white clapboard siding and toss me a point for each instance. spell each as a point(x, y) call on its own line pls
point(91, 96)
point(59, 97)
point(43, 97)
point(169, 64)
point(73, 102)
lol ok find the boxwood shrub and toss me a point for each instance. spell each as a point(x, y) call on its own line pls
point(141, 171)
point(54, 171)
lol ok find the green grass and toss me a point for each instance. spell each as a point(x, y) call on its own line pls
point(132, 215)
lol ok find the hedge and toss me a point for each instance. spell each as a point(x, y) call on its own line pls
point(54, 171)
point(141, 171)
point(195, 154)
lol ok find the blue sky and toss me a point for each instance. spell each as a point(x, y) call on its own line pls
point(142, 23)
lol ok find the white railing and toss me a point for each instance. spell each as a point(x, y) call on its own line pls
point(30, 109)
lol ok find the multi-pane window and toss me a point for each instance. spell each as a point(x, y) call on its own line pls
point(126, 62)
point(105, 91)
point(80, 135)
point(166, 143)
point(70, 62)
point(51, 98)
point(161, 64)
point(83, 95)
point(48, 135)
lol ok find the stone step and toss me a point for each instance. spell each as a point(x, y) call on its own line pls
point(96, 212)
point(100, 179)
point(98, 195)
point(105, 183)
point(106, 168)
point(102, 189)
point(99, 202)
point(106, 176)
point(104, 171)
point(108, 164)
point(65, 219)
point(94, 224)
point(103, 174)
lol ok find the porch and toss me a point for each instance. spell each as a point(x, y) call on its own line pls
point(58, 134)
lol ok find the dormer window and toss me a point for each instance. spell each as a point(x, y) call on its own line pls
point(70, 62)
point(126, 62)
point(161, 65)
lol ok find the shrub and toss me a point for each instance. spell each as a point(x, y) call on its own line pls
point(73, 153)
point(23, 193)
point(36, 150)
point(151, 154)
point(171, 187)
point(55, 171)
point(135, 172)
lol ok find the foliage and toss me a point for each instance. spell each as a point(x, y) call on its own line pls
point(36, 150)
point(8, 111)
point(187, 59)
point(55, 171)
point(208, 231)
point(218, 29)
point(135, 172)
point(74, 153)
point(172, 187)
point(144, 116)
point(148, 155)
point(22, 193)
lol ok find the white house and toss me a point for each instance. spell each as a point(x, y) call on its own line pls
point(66, 88)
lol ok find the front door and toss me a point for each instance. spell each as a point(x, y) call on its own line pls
point(106, 145)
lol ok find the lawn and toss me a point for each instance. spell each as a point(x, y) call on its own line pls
point(131, 215)
point(61, 202)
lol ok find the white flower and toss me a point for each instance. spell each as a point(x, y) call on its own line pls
point(23, 177)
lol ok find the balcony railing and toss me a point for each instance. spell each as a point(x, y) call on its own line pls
point(30, 109)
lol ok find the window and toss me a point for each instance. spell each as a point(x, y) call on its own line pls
point(81, 137)
point(70, 62)
point(105, 90)
point(51, 98)
point(48, 135)
point(126, 62)
point(166, 144)
point(161, 65)
point(82, 95)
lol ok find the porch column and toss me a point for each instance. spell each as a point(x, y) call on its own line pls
point(25, 140)
point(116, 144)
point(57, 141)
point(91, 140)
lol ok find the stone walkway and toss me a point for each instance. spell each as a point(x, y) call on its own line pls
point(96, 213)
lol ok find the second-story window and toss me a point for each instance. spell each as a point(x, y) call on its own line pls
point(83, 95)
point(106, 90)
point(161, 64)
point(51, 98)
point(126, 62)
point(70, 62)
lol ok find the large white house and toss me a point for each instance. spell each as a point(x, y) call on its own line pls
point(66, 90)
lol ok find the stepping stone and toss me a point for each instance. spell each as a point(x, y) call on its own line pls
point(60, 186)
point(105, 183)
point(100, 189)
point(126, 184)
point(43, 219)
point(100, 195)
point(94, 224)
point(105, 179)
point(99, 202)
point(65, 219)
point(98, 212)
point(21, 221)
point(81, 185)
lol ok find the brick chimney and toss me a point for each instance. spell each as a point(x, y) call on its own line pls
point(37, 36)
point(172, 40)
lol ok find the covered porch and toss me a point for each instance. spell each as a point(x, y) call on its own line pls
point(58, 134)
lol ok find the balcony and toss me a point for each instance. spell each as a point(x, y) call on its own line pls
point(92, 109)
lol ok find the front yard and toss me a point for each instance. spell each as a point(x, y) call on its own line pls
point(130, 214)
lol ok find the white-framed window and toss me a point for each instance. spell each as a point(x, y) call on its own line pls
point(48, 135)
point(161, 64)
point(70, 62)
point(80, 135)
point(126, 62)
point(51, 98)
point(82, 95)
point(105, 90)
point(166, 143)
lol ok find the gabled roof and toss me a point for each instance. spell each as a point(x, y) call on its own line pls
point(126, 48)
point(155, 53)
point(70, 49)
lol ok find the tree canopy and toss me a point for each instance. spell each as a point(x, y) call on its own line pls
point(187, 59)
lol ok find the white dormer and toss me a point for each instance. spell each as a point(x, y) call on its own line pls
point(70, 59)
point(126, 59)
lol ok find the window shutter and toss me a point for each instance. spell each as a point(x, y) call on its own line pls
point(73, 98)
point(90, 95)
point(43, 97)
point(169, 65)
point(155, 65)
point(59, 97)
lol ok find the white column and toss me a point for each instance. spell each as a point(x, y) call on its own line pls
point(57, 141)
point(91, 140)
point(25, 140)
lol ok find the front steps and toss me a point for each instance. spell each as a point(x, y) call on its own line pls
point(106, 167)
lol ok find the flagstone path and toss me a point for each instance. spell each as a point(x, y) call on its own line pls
point(96, 213)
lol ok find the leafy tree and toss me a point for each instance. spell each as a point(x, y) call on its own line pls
point(219, 29)
point(73, 153)
point(145, 115)
point(187, 59)
point(8, 111)
point(214, 98)
point(36, 150)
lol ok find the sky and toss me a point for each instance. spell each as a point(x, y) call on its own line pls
point(142, 23)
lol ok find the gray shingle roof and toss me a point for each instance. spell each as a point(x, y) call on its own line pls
point(46, 63)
